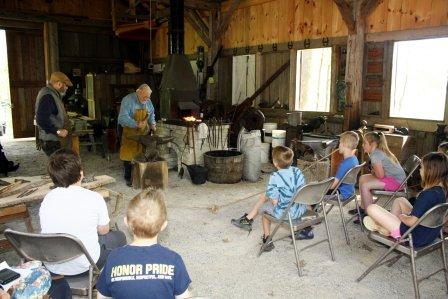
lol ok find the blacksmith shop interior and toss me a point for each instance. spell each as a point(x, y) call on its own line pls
point(223, 148)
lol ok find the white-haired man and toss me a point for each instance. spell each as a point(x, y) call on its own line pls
point(136, 117)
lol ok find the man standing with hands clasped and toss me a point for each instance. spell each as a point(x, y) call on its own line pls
point(137, 118)
point(51, 118)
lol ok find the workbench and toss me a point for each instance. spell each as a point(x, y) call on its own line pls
point(13, 207)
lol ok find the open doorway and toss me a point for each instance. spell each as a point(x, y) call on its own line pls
point(5, 95)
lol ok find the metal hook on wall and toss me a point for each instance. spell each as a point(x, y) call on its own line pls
point(307, 43)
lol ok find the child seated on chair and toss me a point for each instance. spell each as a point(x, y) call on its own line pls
point(155, 271)
point(403, 215)
point(72, 209)
point(281, 188)
point(386, 174)
point(348, 143)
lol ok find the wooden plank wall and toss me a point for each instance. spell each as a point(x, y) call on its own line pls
point(192, 41)
point(278, 21)
point(95, 50)
point(279, 89)
point(391, 15)
point(110, 88)
point(97, 9)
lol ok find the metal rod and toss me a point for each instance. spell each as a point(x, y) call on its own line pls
point(194, 149)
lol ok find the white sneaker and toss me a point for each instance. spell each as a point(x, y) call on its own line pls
point(371, 225)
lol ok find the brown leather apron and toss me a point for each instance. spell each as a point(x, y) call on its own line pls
point(129, 148)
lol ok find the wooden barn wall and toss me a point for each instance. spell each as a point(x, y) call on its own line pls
point(95, 50)
point(278, 91)
point(392, 15)
point(96, 9)
point(109, 89)
point(280, 21)
point(258, 22)
point(160, 45)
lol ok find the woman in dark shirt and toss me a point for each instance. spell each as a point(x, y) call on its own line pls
point(403, 215)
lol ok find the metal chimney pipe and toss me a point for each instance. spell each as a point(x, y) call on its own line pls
point(176, 27)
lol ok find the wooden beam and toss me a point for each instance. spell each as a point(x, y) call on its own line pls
point(346, 11)
point(114, 15)
point(420, 33)
point(200, 20)
point(194, 23)
point(194, 4)
point(368, 6)
point(41, 17)
point(51, 48)
point(222, 28)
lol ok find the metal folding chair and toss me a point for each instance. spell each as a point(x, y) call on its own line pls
point(404, 246)
point(350, 177)
point(55, 248)
point(409, 167)
point(310, 194)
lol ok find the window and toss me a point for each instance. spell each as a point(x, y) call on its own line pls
point(243, 78)
point(313, 80)
point(419, 79)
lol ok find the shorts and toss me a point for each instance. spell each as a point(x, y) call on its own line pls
point(267, 207)
point(390, 183)
point(296, 211)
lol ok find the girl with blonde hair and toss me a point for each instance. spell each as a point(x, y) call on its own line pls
point(386, 173)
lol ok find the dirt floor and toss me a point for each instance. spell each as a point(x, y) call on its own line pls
point(222, 260)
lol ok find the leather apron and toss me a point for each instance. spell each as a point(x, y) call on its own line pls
point(129, 148)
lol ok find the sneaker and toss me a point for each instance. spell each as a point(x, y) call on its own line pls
point(371, 225)
point(269, 246)
point(357, 221)
point(355, 211)
point(243, 223)
point(129, 183)
point(304, 234)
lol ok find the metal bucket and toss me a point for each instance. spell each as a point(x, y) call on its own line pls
point(224, 167)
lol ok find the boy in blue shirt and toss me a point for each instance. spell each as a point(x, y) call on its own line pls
point(281, 188)
point(144, 269)
point(348, 143)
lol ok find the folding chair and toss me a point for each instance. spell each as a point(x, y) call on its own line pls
point(56, 248)
point(310, 194)
point(349, 178)
point(404, 246)
point(409, 167)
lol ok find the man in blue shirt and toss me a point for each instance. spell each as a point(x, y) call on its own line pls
point(137, 118)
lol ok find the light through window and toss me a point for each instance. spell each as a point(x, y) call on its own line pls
point(313, 80)
point(419, 79)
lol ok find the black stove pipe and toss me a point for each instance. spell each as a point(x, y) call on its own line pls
point(176, 27)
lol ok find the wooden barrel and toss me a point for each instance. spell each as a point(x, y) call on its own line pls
point(224, 167)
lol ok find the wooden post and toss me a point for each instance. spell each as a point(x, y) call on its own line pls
point(259, 71)
point(51, 48)
point(292, 79)
point(354, 71)
point(354, 15)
